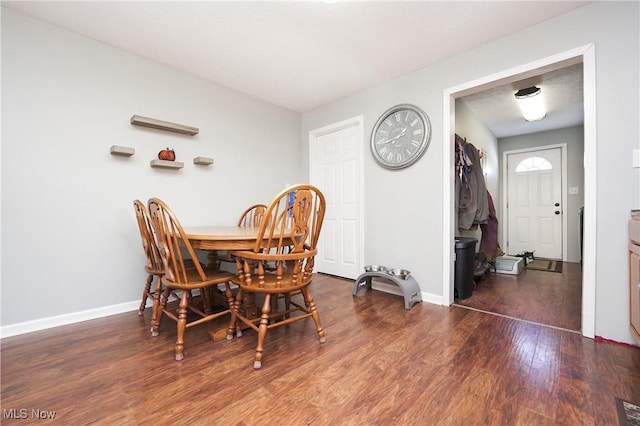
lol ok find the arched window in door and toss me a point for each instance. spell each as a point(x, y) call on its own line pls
point(533, 164)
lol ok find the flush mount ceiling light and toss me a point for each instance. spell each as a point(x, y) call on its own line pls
point(531, 103)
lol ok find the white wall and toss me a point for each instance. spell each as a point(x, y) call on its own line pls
point(403, 223)
point(69, 239)
point(574, 138)
point(477, 133)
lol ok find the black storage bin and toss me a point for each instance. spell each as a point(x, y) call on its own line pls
point(465, 260)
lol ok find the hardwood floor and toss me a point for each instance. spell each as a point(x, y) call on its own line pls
point(381, 365)
point(548, 298)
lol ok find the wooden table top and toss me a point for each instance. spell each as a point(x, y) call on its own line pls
point(222, 237)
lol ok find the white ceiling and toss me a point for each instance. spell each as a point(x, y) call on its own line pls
point(304, 54)
point(561, 89)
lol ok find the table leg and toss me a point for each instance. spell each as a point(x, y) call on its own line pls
point(212, 259)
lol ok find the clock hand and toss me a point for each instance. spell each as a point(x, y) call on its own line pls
point(404, 132)
point(389, 140)
point(394, 139)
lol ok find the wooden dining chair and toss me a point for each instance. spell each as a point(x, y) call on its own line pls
point(251, 217)
point(287, 240)
point(182, 276)
point(153, 267)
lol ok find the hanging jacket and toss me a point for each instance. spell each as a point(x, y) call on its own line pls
point(471, 190)
point(489, 243)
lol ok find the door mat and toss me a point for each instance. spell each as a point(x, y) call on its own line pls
point(628, 412)
point(545, 265)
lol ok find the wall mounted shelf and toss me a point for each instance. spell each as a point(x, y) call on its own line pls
point(167, 164)
point(124, 151)
point(139, 120)
point(203, 161)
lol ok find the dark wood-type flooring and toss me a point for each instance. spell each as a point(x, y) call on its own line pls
point(548, 298)
point(381, 365)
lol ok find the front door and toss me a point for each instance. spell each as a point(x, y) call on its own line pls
point(534, 203)
point(335, 170)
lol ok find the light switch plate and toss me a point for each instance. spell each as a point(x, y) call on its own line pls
point(636, 158)
point(573, 190)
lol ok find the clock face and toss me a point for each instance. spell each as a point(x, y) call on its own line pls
point(400, 136)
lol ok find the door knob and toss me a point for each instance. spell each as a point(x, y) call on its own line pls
point(557, 212)
point(557, 204)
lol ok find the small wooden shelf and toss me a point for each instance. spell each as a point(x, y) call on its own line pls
point(124, 151)
point(139, 120)
point(203, 161)
point(167, 164)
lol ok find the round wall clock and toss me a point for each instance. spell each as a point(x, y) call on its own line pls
point(400, 136)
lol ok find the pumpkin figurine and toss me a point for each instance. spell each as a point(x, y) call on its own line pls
point(167, 155)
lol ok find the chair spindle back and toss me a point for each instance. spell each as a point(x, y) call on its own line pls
point(172, 243)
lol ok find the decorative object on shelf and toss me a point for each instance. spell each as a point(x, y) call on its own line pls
point(167, 164)
point(203, 161)
point(400, 136)
point(124, 151)
point(138, 120)
point(167, 155)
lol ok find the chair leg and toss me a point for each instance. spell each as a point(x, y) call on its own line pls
point(231, 304)
point(145, 294)
point(205, 294)
point(229, 295)
point(274, 308)
point(155, 297)
point(234, 306)
point(311, 306)
point(287, 303)
point(182, 325)
point(159, 305)
point(262, 330)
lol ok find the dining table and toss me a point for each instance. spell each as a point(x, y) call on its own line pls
point(224, 238)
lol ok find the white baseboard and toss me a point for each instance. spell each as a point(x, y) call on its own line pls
point(435, 299)
point(56, 321)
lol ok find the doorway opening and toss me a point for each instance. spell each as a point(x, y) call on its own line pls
point(586, 55)
point(536, 211)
